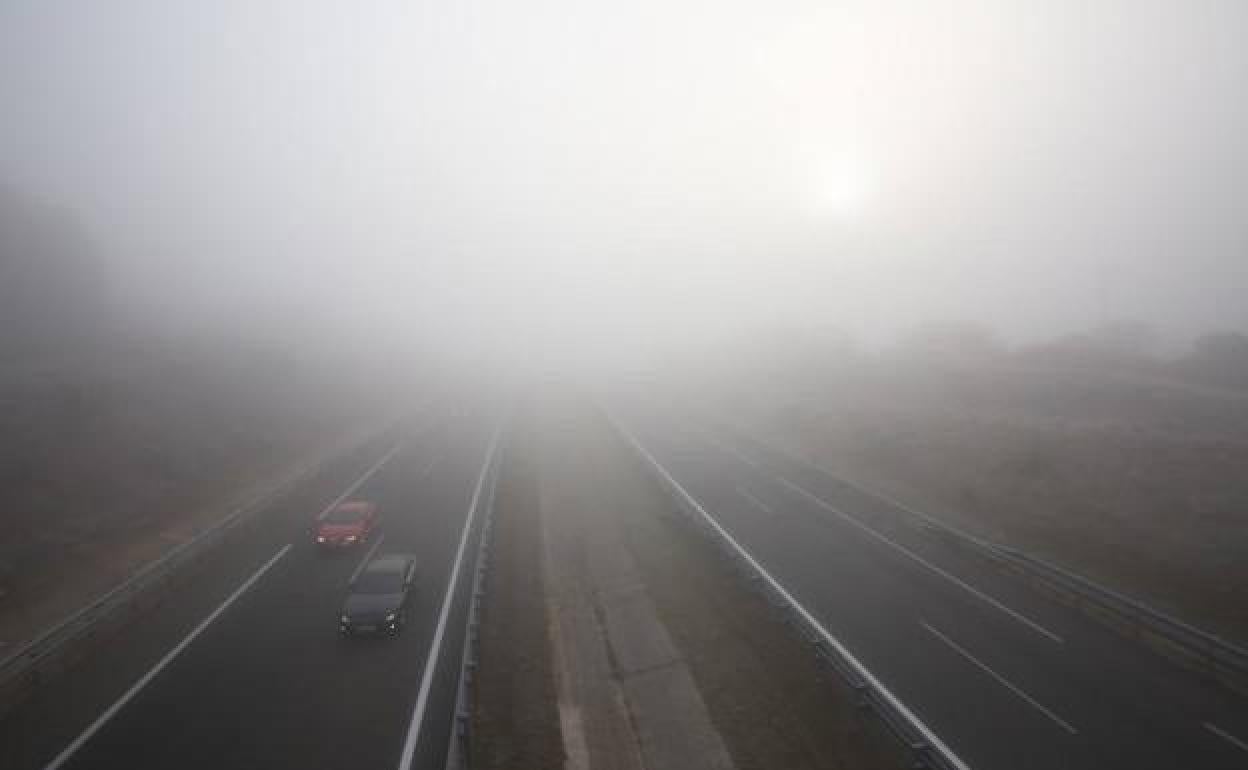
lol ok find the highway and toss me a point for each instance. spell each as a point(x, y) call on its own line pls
point(1006, 677)
point(241, 665)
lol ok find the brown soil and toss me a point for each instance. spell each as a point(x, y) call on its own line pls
point(108, 461)
point(45, 594)
point(515, 721)
point(768, 697)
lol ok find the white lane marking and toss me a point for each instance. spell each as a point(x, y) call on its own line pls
point(368, 474)
point(757, 503)
point(134, 690)
point(1224, 735)
point(431, 661)
point(1033, 625)
point(887, 541)
point(1000, 679)
point(367, 558)
point(828, 638)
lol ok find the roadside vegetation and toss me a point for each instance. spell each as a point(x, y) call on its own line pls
point(117, 443)
point(1097, 451)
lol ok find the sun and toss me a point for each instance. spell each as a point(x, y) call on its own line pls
point(841, 186)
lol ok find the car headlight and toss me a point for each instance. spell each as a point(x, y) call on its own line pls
point(345, 619)
point(391, 617)
point(320, 538)
point(350, 538)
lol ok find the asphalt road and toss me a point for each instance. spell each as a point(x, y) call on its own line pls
point(1005, 676)
point(241, 665)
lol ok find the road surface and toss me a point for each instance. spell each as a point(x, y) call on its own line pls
point(242, 665)
point(1005, 676)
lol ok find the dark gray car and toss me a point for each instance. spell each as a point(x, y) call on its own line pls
point(378, 595)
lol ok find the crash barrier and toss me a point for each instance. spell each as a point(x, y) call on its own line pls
point(459, 748)
point(925, 747)
point(57, 647)
point(1196, 648)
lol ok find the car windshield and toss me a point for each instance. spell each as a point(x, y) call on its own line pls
point(386, 582)
point(345, 516)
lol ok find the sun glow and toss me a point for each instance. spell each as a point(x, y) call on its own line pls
point(841, 186)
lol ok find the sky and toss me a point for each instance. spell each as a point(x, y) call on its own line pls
point(566, 176)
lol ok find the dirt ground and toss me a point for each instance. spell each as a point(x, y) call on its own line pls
point(86, 569)
point(515, 721)
point(110, 460)
point(731, 675)
point(1137, 483)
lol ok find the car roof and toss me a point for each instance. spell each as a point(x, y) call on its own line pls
point(391, 562)
point(354, 505)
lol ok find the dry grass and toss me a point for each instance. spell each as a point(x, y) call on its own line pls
point(1136, 482)
point(107, 460)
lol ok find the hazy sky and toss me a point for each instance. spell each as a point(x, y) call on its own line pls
point(576, 171)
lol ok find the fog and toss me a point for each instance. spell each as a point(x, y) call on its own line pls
point(557, 178)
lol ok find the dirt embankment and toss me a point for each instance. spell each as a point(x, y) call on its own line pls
point(516, 724)
point(1137, 483)
point(106, 461)
point(657, 654)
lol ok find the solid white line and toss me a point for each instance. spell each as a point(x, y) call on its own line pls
point(431, 661)
point(920, 560)
point(861, 670)
point(367, 557)
point(926, 518)
point(757, 503)
point(1001, 680)
point(368, 474)
point(1224, 735)
point(160, 666)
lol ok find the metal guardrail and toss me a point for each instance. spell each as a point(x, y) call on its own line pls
point(458, 751)
point(1211, 654)
point(26, 666)
point(926, 749)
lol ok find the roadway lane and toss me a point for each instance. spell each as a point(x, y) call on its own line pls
point(268, 683)
point(1007, 677)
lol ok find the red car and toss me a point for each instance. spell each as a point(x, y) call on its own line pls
point(347, 524)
